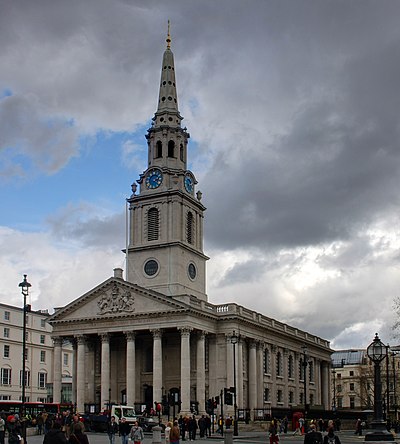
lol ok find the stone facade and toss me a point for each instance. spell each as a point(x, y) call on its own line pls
point(156, 333)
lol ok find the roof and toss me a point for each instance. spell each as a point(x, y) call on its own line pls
point(348, 357)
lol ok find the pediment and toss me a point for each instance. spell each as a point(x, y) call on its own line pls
point(116, 298)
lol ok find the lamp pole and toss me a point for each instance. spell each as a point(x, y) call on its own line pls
point(234, 341)
point(24, 285)
point(377, 352)
point(305, 362)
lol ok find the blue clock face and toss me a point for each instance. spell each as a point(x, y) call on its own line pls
point(154, 179)
point(189, 184)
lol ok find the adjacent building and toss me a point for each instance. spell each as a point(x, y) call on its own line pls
point(38, 354)
point(154, 334)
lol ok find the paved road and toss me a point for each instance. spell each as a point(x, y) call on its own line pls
point(346, 437)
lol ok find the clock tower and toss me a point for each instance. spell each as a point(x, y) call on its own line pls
point(165, 239)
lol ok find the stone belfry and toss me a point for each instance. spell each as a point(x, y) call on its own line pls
point(165, 240)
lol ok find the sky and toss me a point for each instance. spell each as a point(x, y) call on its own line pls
point(293, 111)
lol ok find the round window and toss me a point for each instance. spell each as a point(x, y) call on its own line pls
point(151, 267)
point(192, 271)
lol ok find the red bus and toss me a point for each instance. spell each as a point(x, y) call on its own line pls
point(34, 408)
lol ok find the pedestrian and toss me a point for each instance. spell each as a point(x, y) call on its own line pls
point(331, 438)
point(14, 430)
point(174, 433)
point(312, 436)
point(136, 434)
point(208, 426)
point(112, 429)
point(78, 436)
point(55, 435)
point(202, 426)
point(2, 429)
point(273, 432)
point(192, 428)
point(358, 430)
point(124, 430)
point(167, 433)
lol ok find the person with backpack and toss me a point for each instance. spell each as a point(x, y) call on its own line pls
point(331, 438)
point(312, 436)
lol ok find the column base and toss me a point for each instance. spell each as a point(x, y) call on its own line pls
point(379, 432)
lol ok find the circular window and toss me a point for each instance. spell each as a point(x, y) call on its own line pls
point(151, 267)
point(192, 271)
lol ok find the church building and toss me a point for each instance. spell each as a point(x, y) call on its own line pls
point(155, 335)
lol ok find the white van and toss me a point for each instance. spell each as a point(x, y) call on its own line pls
point(124, 411)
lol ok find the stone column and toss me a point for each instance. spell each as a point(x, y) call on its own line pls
point(252, 376)
point(80, 374)
point(185, 369)
point(90, 353)
point(201, 372)
point(325, 385)
point(57, 369)
point(105, 371)
point(74, 369)
point(130, 367)
point(229, 361)
point(239, 375)
point(157, 365)
point(260, 364)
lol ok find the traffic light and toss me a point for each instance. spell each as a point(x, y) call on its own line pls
point(228, 398)
point(216, 401)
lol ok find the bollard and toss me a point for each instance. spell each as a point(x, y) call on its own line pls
point(156, 435)
point(228, 439)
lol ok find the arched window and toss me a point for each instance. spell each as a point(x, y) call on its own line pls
point(159, 148)
point(181, 152)
point(171, 148)
point(279, 370)
point(153, 224)
point(266, 361)
point(189, 227)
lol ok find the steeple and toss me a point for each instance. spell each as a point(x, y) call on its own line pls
point(167, 111)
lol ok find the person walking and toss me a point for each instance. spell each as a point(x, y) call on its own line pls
point(112, 429)
point(124, 430)
point(78, 436)
point(273, 432)
point(2, 429)
point(167, 433)
point(312, 436)
point(55, 435)
point(137, 435)
point(174, 433)
point(331, 438)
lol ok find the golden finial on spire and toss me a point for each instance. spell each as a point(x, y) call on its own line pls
point(168, 37)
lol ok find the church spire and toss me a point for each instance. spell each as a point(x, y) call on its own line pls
point(167, 111)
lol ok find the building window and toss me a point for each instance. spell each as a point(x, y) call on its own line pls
point(266, 361)
point(65, 358)
point(301, 401)
point(352, 402)
point(351, 373)
point(7, 315)
point(159, 149)
point(27, 378)
point(43, 323)
point(153, 224)
point(6, 351)
point(26, 354)
point(279, 396)
point(279, 364)
point(5, 376)
point(301, 369)
point(266, 394)
point(6, 332)
point(290, 367)
point(181, 152)
point(352, 386)
point(189, 227)
point(311, 399)
point(339, 375)
point(311, 370)
point(171, 148)
point(148, 362)
point(42, 339)
point(42, 380)
point(339, 388)
point(42, 356)
point(340, 402)
point(27, 320)
point(5, 397)
point(291, 397)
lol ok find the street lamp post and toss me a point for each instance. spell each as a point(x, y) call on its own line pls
point(24, 290)
point(305, 362)
point(234, 341)
point(377, 352)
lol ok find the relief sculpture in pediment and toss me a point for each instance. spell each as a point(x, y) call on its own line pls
point(116, 301)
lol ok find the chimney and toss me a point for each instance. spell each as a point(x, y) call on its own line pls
point(118, 273)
